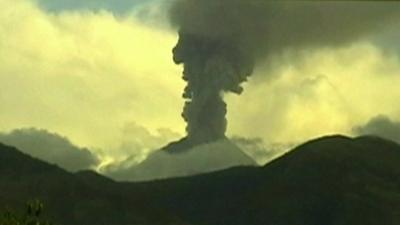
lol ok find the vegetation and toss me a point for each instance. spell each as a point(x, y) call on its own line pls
point(31, 216)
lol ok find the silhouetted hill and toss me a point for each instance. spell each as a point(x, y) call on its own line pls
point(69, 198)
point(94, 179)
point(328, 181)
point(332, 181)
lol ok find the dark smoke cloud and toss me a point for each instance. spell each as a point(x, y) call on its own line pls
point(381, 126)
point(50, 147)
point(221, 41)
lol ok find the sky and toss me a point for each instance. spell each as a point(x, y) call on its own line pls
point(101, 76)
point(116, 6)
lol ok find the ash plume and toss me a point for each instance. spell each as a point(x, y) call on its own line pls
point(221, 41)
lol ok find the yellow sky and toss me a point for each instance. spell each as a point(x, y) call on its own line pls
point(92, 76)
point(326, 91)
point(85, 74)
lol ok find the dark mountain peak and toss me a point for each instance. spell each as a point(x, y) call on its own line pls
point(331, 138)
point(339, 146)
point(340, 154)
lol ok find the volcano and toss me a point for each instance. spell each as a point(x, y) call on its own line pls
point(180, 159)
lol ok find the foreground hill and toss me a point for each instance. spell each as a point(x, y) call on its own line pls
point(68, 199)
point(332, 181)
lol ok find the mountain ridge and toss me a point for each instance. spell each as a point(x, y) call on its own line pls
point(333, 180)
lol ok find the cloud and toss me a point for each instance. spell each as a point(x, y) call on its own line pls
point(85, 74)
point(220, 42)
point(134, 144)
point(261, 151)
point(116, 6)
point(315, 93)
point(150, 12)
point(322, 74)
point(382, 126)
point(263, 28)
point(50, 147)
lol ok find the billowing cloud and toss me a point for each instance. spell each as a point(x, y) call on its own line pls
point(221, 42)
point(262, 28)
point(50, 147)
point(381, 126)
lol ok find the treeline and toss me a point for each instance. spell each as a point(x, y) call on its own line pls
point(30, 216)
